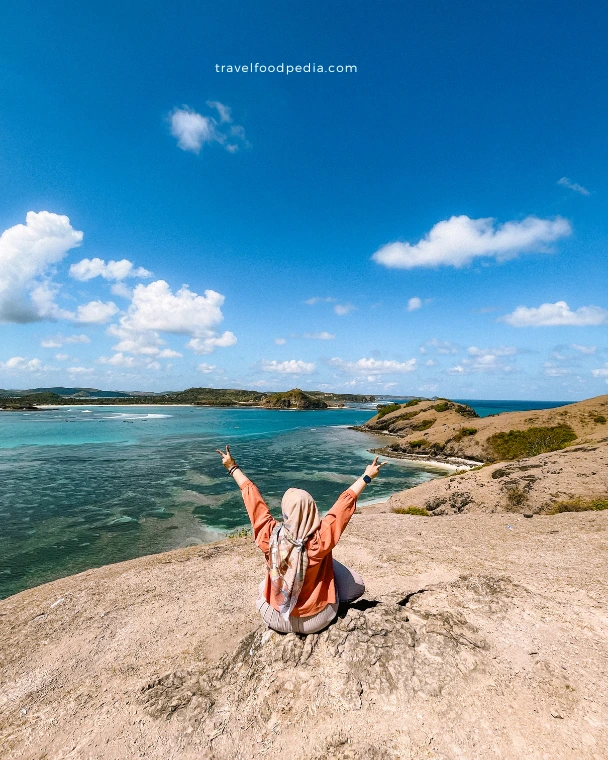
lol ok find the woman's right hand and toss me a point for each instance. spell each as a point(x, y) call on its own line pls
point(227, 459)
point(372, 470)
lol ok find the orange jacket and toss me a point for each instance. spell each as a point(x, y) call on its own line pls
point(318, 590)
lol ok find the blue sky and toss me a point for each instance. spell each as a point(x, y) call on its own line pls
point(431, 223)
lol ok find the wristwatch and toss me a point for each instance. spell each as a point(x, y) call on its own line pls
point(367, 479)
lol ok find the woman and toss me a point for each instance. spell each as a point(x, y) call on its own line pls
point(304, 584)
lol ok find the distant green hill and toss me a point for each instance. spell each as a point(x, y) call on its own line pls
point(295, 398)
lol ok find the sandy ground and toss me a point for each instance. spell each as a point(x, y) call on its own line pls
point(529, 679)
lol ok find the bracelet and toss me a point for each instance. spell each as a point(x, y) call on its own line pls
point(233, 468)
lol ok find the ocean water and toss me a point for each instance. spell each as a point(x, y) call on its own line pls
point(82, 487)
point(488, 407)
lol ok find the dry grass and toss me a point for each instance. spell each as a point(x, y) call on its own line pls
point(579, 505)
point(418, 511)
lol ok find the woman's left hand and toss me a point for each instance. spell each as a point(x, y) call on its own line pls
point(227, 459)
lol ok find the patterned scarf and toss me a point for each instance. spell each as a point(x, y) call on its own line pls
point(288, 558)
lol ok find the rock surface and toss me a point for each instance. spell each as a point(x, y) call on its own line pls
point(480, 636)
point(532, 485)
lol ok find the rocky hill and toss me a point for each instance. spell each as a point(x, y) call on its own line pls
point(479, 636)
point(444, 428)
point(293, 399)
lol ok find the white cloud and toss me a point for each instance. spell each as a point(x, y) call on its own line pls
point(374, 367)
point(80, 370)
point(206, 368)
point(485, 360)
point(603, 372)
point(319, 336)
point(61, 357)
point(440, 346)
point(317, 299)
point(414, 303)
point(343, 308)
point(58, 340)
point(290, 367)
point(168, 353)
point(584, 349)
point(565, 182)
point(556, 314)
point(122, 290)
point(499, 351)
point(118, 360)
point(208, 345)
point(553, 371)
point(96, 312)
point(155, 309)
point(19, 364)
point(28, 253)
point(193, 130)
point(87, 269)
point(223, 111)
point(280, 341)
point(460, 239)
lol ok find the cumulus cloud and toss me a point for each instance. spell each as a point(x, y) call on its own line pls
point(280, 341)
point(485, 360)
point(19, 364)
point(87, 269)
point(342, 309)
point(155, 309)
point(58, 340)
point(28, 253)
point(319, 336)
point(601, 372)
point(96, 312)
point(460, 239)
point(118, 360)
point(565, 182)
point(193, 130)
point(290, 367)
point(206, 368)
point(80, 370)
point(556, 314)
point(584, 349)
point(414, 303)
point(373, 366)
point(440, 346)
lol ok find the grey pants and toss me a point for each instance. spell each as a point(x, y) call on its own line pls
point(349, 586)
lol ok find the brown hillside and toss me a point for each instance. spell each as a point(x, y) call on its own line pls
point(445, 428)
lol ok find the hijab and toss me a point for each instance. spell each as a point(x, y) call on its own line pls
point(288, 558)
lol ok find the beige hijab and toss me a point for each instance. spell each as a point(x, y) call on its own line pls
point(288, 557)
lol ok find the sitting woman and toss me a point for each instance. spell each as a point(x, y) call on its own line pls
point(304, 584)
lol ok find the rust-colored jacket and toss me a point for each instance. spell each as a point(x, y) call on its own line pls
point(318, 590)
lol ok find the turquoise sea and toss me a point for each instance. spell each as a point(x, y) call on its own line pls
point(82, 487)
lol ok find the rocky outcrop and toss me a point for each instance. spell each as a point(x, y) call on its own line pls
point(531, 486)
point(386, 654)
point(293, 399)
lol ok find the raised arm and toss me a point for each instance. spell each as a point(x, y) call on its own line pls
point(371, 471)
point(336, 520)
point(259, 514)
